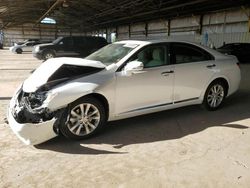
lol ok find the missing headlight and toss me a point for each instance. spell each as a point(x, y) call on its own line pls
point(28, 108)
point(36, 99)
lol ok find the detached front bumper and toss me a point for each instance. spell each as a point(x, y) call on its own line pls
point(31, 133)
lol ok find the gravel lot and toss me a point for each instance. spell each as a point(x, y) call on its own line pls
point(187, 147)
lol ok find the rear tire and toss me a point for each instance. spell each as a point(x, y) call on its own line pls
point(85, 118)
point(215, 96)
point(19, 51)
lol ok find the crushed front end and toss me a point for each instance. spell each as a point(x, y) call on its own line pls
point(40, 105)
point(29, 118)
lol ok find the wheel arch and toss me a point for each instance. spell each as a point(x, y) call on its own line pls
point(223, 80)
point(19, 50)
point(65, 130)
point(101, 98)
point(48, 50)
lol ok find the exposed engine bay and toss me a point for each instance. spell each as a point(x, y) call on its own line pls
point(40, 107)
point(28, 108)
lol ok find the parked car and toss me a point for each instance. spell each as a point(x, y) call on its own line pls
point(27, 40)
point(240, 50)
point(26, 47)
point(77, 96)
point(69, 46)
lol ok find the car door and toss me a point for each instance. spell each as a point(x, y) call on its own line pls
point(150, 88)
point(66, 47)
point(79, 45)
point(193, 68)
point(84, 46)
point(27, 47)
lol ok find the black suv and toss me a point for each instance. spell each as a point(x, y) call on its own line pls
point(69, 46)
point(240, 50)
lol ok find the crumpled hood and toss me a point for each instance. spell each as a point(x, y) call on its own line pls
point(47, 70)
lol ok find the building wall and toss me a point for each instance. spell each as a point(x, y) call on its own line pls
point(44, 32)
point(215, 28)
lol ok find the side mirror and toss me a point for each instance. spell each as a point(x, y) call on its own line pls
point(133, 67)
point(61, 43)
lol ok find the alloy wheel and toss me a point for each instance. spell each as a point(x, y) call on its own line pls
point(215, 96)
point(49, 56)
point(83, 119)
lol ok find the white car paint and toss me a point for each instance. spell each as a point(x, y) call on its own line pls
point(26, 47)
point(42, 73)
point(29, 133)
point(143, 92)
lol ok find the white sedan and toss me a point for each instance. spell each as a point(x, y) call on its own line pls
point(76, 97)
point(26, 47)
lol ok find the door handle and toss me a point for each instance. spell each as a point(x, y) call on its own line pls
point(166, 73)
point(211, 66)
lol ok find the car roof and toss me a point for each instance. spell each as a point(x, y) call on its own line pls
point(215, 53)
point(92, 37)
point(145, 42)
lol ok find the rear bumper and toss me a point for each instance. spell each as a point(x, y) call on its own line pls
point(29, 133)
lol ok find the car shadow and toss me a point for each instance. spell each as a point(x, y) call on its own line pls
point(162, 126)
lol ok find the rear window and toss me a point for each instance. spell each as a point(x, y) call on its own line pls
point(187, 53)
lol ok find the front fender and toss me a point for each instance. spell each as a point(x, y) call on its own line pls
point(68, 93)
point(102, 83)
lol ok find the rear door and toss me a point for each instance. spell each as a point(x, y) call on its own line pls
point(194, 67)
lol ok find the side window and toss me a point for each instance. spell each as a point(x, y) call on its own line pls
point(67, 41)
point(30, 44)
point(152, 56)
point(187, 53)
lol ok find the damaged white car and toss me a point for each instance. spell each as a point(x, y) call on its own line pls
point(76, 97)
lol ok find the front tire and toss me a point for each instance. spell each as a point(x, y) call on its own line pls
point(85, 117)
point(19, 51)
point(48, 55)
point(214, 96)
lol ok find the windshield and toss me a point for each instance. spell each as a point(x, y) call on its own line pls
point(57, 40)
point(112, 53)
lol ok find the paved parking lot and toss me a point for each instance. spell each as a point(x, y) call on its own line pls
point(187, 147)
